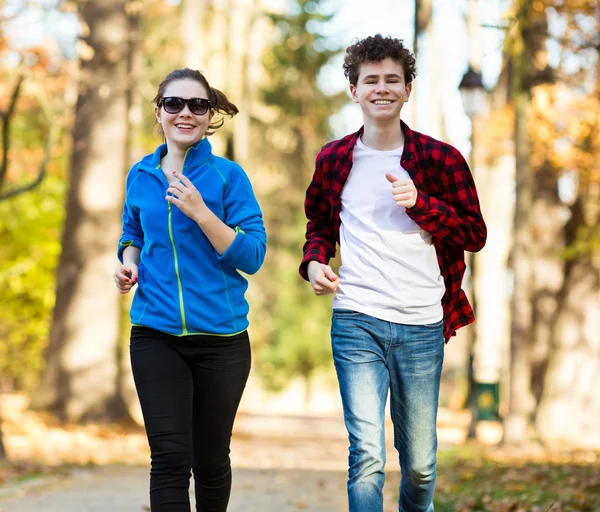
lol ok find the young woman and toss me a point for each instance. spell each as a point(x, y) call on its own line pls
point(191, 223)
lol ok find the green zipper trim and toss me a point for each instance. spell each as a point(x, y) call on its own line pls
point(126, 243)
point(219, 335)
point(197, 333)
point(176, 260)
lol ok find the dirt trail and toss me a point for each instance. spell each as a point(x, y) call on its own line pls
point(281, 464)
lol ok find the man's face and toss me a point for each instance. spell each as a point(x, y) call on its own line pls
point(381, 90)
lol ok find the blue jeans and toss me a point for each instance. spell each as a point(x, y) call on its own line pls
point(373, 356)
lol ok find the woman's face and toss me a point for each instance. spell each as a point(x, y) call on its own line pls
point(184, 128)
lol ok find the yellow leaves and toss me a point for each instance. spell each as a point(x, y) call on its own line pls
point(494, 134)
point(581, 130)
point(84, 28)
point(467, 476)
point(520, 481)
point(563, 125)
point(104, 91)
point(134, 7)
point(579, 5)
point(294, 43)
point(84, 50)
point(282, 139)
point(37, 436)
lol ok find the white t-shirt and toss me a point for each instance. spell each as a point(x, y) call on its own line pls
point(389, 265)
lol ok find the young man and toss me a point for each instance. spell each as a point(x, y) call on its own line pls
point(403, 208)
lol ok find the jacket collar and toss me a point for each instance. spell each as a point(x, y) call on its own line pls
point(194, 156)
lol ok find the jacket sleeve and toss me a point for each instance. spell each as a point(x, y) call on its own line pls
point(131, 230)
point(320, 235)
point(243, 214)
point(457, 219)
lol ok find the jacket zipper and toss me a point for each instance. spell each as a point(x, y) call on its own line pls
point(176, 260)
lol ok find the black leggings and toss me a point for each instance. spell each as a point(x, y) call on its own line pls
point(189, 389)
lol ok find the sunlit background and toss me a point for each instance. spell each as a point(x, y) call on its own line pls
point(513, 84)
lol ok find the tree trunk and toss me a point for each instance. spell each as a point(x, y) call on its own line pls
point(547, 222)
point(194, 17)
point(243, 88)
point(521, 400)
point(528, 59)
point(437, 124)
point(134, 152)
point(216, 67)
point(569, 411)
point(490, 281)
point(2, 448)
point(487, 337)
point(422, 23)
point(81, 380)
point(570, 406)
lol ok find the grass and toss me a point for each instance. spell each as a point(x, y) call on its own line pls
point(471, 479)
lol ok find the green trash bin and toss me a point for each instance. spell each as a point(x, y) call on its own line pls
point(487, 395)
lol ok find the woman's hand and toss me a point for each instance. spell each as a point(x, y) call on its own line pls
point(187, 198)
point(125, 277)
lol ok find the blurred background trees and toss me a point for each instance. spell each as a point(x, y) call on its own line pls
point(551, 64)
point(85, 101)
point(82, 376)
point(295, 128)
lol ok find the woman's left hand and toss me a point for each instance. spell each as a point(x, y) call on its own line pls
point(186, 197)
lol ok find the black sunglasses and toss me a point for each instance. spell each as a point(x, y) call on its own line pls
point(174, 105)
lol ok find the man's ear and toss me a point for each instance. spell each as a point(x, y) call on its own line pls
point(353, 93)
point(408, 90)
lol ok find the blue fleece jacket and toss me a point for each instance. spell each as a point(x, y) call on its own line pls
point(184, 286)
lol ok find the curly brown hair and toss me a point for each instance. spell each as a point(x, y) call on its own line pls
point(375, 49)
point(219, 102)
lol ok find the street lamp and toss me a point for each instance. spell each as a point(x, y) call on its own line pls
point(473, 93)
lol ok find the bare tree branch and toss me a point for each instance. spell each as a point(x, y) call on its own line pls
point(52, 137)
point(6, 118)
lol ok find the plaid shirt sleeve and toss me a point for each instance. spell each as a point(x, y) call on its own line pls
point(320, 233)
point(456, 219)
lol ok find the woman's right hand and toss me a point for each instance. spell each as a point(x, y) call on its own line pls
point(125, 277)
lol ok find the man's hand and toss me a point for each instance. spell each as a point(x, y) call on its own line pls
point(322, 278)
point(125, 277)
point(404, 191)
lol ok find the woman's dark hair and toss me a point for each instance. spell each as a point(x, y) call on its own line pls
point(218, 101)
point(375, 49)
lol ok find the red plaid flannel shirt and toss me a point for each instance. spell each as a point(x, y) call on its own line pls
point(447, 207)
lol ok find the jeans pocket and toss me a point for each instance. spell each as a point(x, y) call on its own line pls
point(435, 325)
point(431, 333)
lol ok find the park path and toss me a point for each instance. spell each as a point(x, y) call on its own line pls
point(124, 489)
point(281, 464)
